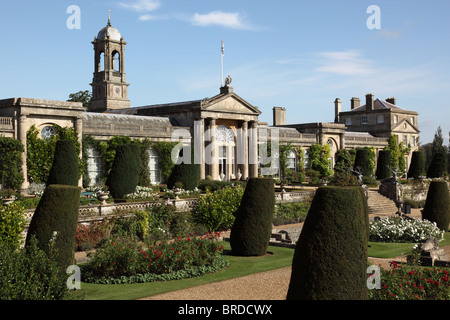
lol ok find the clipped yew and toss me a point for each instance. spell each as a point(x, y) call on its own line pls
point(437, 205)
point(417, 166)
point(65, 167)
point(123, 176)
point(252, 227)
point(383, 168)
point(330, 258)
point(55, 222)
point(437, 166)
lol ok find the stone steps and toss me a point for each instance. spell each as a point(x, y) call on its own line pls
point(380, 204)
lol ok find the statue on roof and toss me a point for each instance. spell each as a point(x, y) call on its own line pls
point(228, 81)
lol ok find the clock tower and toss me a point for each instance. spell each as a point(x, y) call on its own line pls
point(109, 84)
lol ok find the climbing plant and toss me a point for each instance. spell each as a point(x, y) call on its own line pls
point(11, 163)
point(40, 151)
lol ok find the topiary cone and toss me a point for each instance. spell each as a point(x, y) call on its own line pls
point(57, 211)
point(65, 167)
point(330, 258)
point(251, 230)
point(437, 207)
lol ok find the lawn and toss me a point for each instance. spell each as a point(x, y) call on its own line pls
point(279, 257)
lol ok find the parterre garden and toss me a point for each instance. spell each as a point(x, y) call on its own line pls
point(160, 244)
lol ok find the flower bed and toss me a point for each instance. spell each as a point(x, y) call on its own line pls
point(121, 260)
point(397, 229)
point(406, 283)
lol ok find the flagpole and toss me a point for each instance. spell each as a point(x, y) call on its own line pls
point(222, 51)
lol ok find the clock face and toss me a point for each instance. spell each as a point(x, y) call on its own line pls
point(117, 91)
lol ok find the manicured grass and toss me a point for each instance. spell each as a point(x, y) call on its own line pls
point(240, 266)
point(391, 250)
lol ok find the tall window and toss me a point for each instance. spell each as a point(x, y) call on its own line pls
point(395, 119)
point(101, 62)
point(153, 164)
point(291, 161)
point(94, 166)
point(380, 118)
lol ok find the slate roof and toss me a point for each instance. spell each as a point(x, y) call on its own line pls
point(379, 105)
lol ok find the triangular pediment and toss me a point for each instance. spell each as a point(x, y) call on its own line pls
point(406, 127)
point(230, 103)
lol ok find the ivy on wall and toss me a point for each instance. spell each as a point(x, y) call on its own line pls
point(107, 152)
point(40, 152)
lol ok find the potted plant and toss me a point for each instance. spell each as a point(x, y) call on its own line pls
point(103, 194)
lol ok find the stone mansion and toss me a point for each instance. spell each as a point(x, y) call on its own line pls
point(226, 118)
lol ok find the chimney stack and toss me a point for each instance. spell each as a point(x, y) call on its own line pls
point(337, 109)
point(355, 102)
point(392, 100)
point(369, 101)
point(279, 116)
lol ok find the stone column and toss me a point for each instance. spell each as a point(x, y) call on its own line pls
point(23, 139)
point(199, 146)
point(244, 136)
point(215, 156)
point(79, 129)
point(253, 150)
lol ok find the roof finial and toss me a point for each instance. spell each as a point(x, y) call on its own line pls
point(109, 17)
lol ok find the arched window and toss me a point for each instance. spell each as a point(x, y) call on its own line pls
point(47, 132)
point(101, 62)
point(225, 139)
point(115, 61)
point(94, 166)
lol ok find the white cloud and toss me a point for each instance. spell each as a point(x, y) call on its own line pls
point(344, 63)
point(141, 5)
point(231, 20)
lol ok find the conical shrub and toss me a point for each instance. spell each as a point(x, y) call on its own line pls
point(417, 166)
point(251, 230)
point(124, 173)
point(437, 206)
point(55, 222)
point(383, 169)
point(437, 166)
point(330, 258)
point(65, 168)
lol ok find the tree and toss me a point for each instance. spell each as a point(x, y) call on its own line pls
point(437, 205)
point(124, 173)
point(395, 152)
point(251, 230)
point(330, 258)
point(364, 162)
point(343, 161)
point(437, 144)
point(186, 173)
point(82, 96)
point(319, 157)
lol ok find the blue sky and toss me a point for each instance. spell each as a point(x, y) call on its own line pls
point(297, 54)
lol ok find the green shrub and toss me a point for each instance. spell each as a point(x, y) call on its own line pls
point(251, 230)
point(216, 210)
point(121, 257)
point(437, 166)
point(12, 222)
point(417, 166)
point(57, 212)
point(213, 185)
point(123, 176)
point(11, 176)
point(288, 213)
point(186, 173)
point(437, 205)
point(383, 165)
point(330, 258)
point(30, 274)
point(65, 167)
